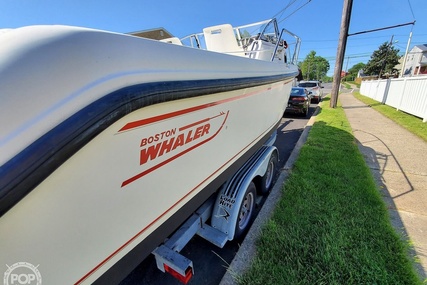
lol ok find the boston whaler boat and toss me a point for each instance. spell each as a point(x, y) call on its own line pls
point(109, 142)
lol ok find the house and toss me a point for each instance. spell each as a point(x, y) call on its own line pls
point(361, 73)
point(416, 61)
point(361, 76)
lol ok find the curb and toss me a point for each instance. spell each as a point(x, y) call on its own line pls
point(247, 250)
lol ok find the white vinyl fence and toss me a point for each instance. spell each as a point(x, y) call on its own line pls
point(408, 94)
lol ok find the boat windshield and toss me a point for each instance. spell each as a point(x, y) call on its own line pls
point(258, 40)
point(265, 30)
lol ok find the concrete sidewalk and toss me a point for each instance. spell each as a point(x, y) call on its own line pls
point(398, 161)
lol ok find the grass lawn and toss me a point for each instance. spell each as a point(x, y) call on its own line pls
point(411, 123)
point(331, 225)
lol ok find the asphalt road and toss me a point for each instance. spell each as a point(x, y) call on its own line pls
point(210, 262)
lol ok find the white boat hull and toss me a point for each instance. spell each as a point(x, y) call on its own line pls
point(107, 183)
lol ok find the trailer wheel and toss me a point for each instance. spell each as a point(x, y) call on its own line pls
point(268, 178)
point(246, 212)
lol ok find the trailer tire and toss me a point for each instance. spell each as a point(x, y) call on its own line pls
point(268, 179)
point(246, 212)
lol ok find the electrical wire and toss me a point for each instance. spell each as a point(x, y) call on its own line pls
point(284, 9)
point(412, 11)
point(308, 1)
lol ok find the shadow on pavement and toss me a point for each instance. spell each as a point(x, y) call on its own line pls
point(373, 159)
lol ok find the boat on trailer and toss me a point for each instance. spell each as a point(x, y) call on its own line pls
point(109, 142)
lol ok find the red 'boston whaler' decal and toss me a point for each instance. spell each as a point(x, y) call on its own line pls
point(176, 141)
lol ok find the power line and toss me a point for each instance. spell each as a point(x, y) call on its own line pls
point(295, 11)
point(284, 9)
point(380, 29)
point(360, 38)
point(319, 41)
point(333, 58)
point(412, 11)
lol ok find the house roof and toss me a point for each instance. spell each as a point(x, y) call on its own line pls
point(422, 48)
point(155, 34)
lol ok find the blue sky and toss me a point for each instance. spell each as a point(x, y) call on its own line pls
point(317, 22)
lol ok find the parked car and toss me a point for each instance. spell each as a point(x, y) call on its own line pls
point(315, 87)
point(299, 101)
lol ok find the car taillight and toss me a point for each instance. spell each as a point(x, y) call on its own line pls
point(298, 99)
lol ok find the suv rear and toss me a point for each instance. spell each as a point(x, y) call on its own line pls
point(315, 87)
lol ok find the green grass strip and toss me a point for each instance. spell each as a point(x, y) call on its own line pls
point(331, 225)
point(413, 124)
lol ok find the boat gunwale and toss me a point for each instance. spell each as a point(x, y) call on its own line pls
point(22, 173)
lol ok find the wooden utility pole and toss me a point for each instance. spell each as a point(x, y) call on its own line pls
point(345, 23)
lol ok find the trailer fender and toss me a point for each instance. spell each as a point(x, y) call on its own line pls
point(232, 194)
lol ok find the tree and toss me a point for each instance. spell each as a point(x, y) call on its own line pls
point(383, 60)
point(314, 67)
point(353, 71)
